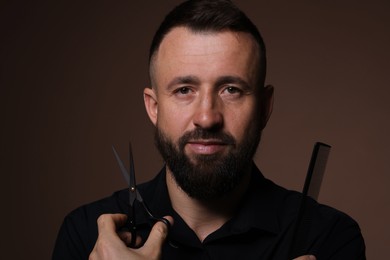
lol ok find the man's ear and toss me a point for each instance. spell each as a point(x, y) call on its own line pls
point(151, 105)
point(267, 103)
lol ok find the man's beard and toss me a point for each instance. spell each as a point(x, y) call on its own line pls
point(206, 176)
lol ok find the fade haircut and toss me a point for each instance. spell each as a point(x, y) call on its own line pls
point(208, 16)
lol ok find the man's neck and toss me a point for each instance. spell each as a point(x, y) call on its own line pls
point(205, 217)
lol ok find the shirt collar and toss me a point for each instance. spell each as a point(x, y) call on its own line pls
point(258, 207)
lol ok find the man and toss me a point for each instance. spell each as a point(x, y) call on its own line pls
point(209, 105)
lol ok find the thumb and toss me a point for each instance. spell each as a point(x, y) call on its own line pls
point(157, 236)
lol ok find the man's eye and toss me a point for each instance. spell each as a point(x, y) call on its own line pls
point(183, 90)
point(232, 90)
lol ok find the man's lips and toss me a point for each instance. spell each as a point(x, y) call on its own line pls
point(206, 146)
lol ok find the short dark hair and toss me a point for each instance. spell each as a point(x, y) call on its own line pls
point(209, 16)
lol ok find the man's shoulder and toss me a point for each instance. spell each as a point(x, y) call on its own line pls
point(328, 230)
point(110, 204)
point(287, 202)
point(322, 213)
point(78, 232)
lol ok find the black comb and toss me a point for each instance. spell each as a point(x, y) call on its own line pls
point(311, 188)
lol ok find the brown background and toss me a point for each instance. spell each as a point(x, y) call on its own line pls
point(72, 75)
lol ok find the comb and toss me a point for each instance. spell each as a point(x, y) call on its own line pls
point(311, 188)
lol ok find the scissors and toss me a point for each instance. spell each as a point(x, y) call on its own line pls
point(134, 197)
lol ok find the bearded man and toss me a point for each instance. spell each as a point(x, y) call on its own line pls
point(209, 105)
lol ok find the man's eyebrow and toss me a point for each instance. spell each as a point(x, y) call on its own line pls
point(193, 80)
point(232, 80)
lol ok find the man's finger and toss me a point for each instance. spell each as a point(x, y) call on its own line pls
point(110, 222)
point(125, 236)
point(157, 236)
point(108, 244)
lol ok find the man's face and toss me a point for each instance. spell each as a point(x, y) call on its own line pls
point(206, 107)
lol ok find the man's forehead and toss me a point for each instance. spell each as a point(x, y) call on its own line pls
point(201, 41)
point(183, 47)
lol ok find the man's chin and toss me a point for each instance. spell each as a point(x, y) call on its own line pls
point(198, 160)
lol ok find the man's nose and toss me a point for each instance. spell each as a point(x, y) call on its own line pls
point(208, 114)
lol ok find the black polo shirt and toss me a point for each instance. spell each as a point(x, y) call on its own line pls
point(261, 229)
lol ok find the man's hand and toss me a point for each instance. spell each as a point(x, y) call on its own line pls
point(306, 257)
point(113, 245)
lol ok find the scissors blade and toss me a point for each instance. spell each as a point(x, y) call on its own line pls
point(130, 179)
point(132, 183)
point(124, 171)
point(129, 176)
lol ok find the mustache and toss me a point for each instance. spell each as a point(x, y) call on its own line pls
point(204, 134)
